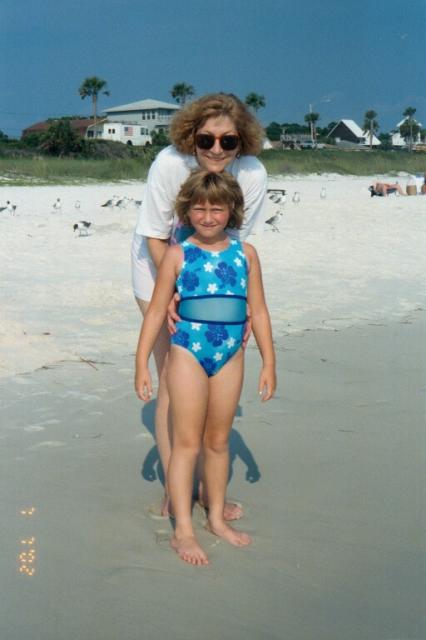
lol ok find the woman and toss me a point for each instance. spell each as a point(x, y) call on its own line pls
point(217, 133)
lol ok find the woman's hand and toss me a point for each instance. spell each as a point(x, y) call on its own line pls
point(143, 384)
point(247, 328)
point(172, 314)
point(267, 382)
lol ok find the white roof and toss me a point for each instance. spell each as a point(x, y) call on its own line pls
point(406, 118)
point(357, 131)
point(142, 105)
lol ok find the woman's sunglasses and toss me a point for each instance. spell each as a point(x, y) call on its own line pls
point(228, 142)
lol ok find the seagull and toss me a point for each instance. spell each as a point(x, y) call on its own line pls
point(296, 197)
point(83, 228)
point(122, 203)
point(274, 220)
point(111, 202)
point(57, 206)
point(10, 208)
point(323, 193)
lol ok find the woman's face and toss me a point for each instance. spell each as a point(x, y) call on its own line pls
point(216, 158)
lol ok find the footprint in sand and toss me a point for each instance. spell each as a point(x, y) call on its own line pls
point(155, 514)
point(162, 539)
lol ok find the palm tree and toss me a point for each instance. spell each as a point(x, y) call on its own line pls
point(255, 101)
point(181, 91)
point(370, 125)
point(409, 126)
point(312, 117)
point(93, 87)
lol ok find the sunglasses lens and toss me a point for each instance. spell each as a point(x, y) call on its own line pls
point(229, 142)
point(204, 141)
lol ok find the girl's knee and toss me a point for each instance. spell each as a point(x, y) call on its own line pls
point(214, 444)
point(187, 446)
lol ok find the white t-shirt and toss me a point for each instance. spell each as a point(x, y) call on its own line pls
point(157, 217)
point(168, 173)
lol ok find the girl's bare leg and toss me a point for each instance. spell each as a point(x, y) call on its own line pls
point(162, 418)
point(163, 428)
point(188, 390)
point(223, 395)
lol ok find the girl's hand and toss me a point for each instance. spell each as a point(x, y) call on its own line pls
point(143, 385)
point(267, 382)
point(172, 314)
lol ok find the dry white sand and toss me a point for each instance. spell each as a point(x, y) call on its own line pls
point(338, 262)
point(330, 472)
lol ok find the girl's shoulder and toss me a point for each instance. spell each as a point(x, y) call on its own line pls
point(250, 253)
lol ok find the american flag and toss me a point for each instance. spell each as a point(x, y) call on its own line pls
point(128, 131)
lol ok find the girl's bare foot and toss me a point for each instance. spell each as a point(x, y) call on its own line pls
point(224, 531)
point(189, 550)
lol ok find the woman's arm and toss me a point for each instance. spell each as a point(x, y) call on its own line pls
point(261, 324)
point(253, 180)
point(154, 318)
point(157, 248)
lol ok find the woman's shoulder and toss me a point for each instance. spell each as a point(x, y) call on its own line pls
point(249, 171)
point(170, 158)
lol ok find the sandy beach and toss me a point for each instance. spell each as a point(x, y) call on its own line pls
point(330, 472)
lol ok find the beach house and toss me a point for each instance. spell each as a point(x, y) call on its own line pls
point(78, 125)
point(130, 133)
point(151, 114)
point(397, 139)
point(347, 133)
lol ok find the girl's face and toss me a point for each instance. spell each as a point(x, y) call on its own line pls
point(216, 158)
point(209, 220)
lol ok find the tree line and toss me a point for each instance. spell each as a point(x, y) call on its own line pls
point(60, 138)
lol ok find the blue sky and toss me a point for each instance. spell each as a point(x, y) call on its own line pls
point(342, 56)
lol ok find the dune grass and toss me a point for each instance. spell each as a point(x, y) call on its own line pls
point(358, 163)
point(44, 170)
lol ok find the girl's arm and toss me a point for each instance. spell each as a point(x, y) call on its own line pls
point(261, 324)
point(154, 318)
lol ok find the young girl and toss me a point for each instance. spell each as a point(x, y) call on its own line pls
point(215, 277)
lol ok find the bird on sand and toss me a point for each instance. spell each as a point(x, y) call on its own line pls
point(83, 227)
point(275, 220)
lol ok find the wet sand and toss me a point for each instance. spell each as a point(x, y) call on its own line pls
point(330, 473)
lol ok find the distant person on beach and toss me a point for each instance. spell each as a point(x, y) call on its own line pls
point(215, 275)
point(423, 187)
point(385, 188)
point(218, 133)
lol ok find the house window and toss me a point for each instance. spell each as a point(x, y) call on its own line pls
point(143, 115)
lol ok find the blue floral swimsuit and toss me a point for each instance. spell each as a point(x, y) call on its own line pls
point(213, 290)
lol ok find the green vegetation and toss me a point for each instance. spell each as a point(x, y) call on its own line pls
point(370, 125)
point(44, 170)
point(181, 92)
point(255, 101)
point(92, 88)
point(26, 169)
point(360, 163)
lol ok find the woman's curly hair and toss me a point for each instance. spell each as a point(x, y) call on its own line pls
point(216, 188)
point(193, 116)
